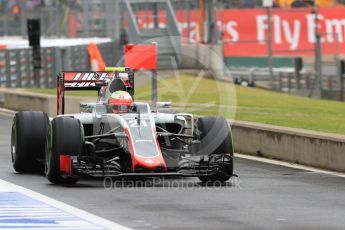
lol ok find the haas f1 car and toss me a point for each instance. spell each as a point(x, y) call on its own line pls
point(120, 140)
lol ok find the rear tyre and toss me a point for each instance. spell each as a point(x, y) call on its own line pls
point(28, 138)
point(65, 137)
point(215, 138)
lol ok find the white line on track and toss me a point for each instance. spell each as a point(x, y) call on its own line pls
point(78, 218)
point(289, 165)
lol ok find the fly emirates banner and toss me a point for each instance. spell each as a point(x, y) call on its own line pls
point(245, 31)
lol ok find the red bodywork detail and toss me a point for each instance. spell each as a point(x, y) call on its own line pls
point(65, 165)
point(150, 163)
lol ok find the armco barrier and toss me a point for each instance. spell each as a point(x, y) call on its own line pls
point(316, 149)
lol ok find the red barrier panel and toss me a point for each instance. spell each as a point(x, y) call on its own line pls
point(143, 56)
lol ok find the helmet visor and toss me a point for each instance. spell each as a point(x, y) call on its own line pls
point(118, 108)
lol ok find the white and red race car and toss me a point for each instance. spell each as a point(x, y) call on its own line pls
point(100, 143)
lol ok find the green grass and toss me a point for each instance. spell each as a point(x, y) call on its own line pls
point(208, 97)
point(292, 111)
point(68, 93)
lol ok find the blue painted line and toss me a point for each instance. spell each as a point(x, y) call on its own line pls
point(18, 211)
point(26, 220)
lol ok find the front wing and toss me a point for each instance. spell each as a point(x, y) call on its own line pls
point(195, 166)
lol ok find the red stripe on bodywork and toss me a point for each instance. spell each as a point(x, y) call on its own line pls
point(150, 163)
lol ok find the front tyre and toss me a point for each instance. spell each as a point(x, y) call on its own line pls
point(65, 137)
point(215, 138)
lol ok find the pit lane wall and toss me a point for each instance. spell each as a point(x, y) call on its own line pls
point(316, 149)
point(19, 100)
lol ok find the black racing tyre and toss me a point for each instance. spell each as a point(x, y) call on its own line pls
point(215, 138)
point(28, 138)
point(65, 136)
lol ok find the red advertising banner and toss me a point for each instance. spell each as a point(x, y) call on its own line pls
point(245, 31)
point(293, 32)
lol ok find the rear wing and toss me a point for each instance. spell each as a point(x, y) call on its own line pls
point(89, 80)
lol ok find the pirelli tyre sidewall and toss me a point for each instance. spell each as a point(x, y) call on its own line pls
point(65, 136)
point(28, 138)
point(215, 138)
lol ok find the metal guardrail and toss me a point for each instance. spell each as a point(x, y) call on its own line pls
point(332, 84)
point(16, 64)
point(291, 82)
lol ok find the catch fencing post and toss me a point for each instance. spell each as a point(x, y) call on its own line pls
point(268, 4)
point(34, 34)
point(154, 77)
point(45, 67)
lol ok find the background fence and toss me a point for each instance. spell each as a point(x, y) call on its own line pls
point(16, 66)
point(62, 18)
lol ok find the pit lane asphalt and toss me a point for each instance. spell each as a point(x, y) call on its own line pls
point(265, 197)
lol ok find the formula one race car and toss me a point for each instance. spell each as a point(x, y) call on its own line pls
point(117, 137)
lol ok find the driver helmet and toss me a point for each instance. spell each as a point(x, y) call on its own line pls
point(120, 102)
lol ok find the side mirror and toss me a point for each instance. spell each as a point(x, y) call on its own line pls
point(100, 83)
point(100, 109)
point(163, 104)
point(87, 107)
point(188, 120)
